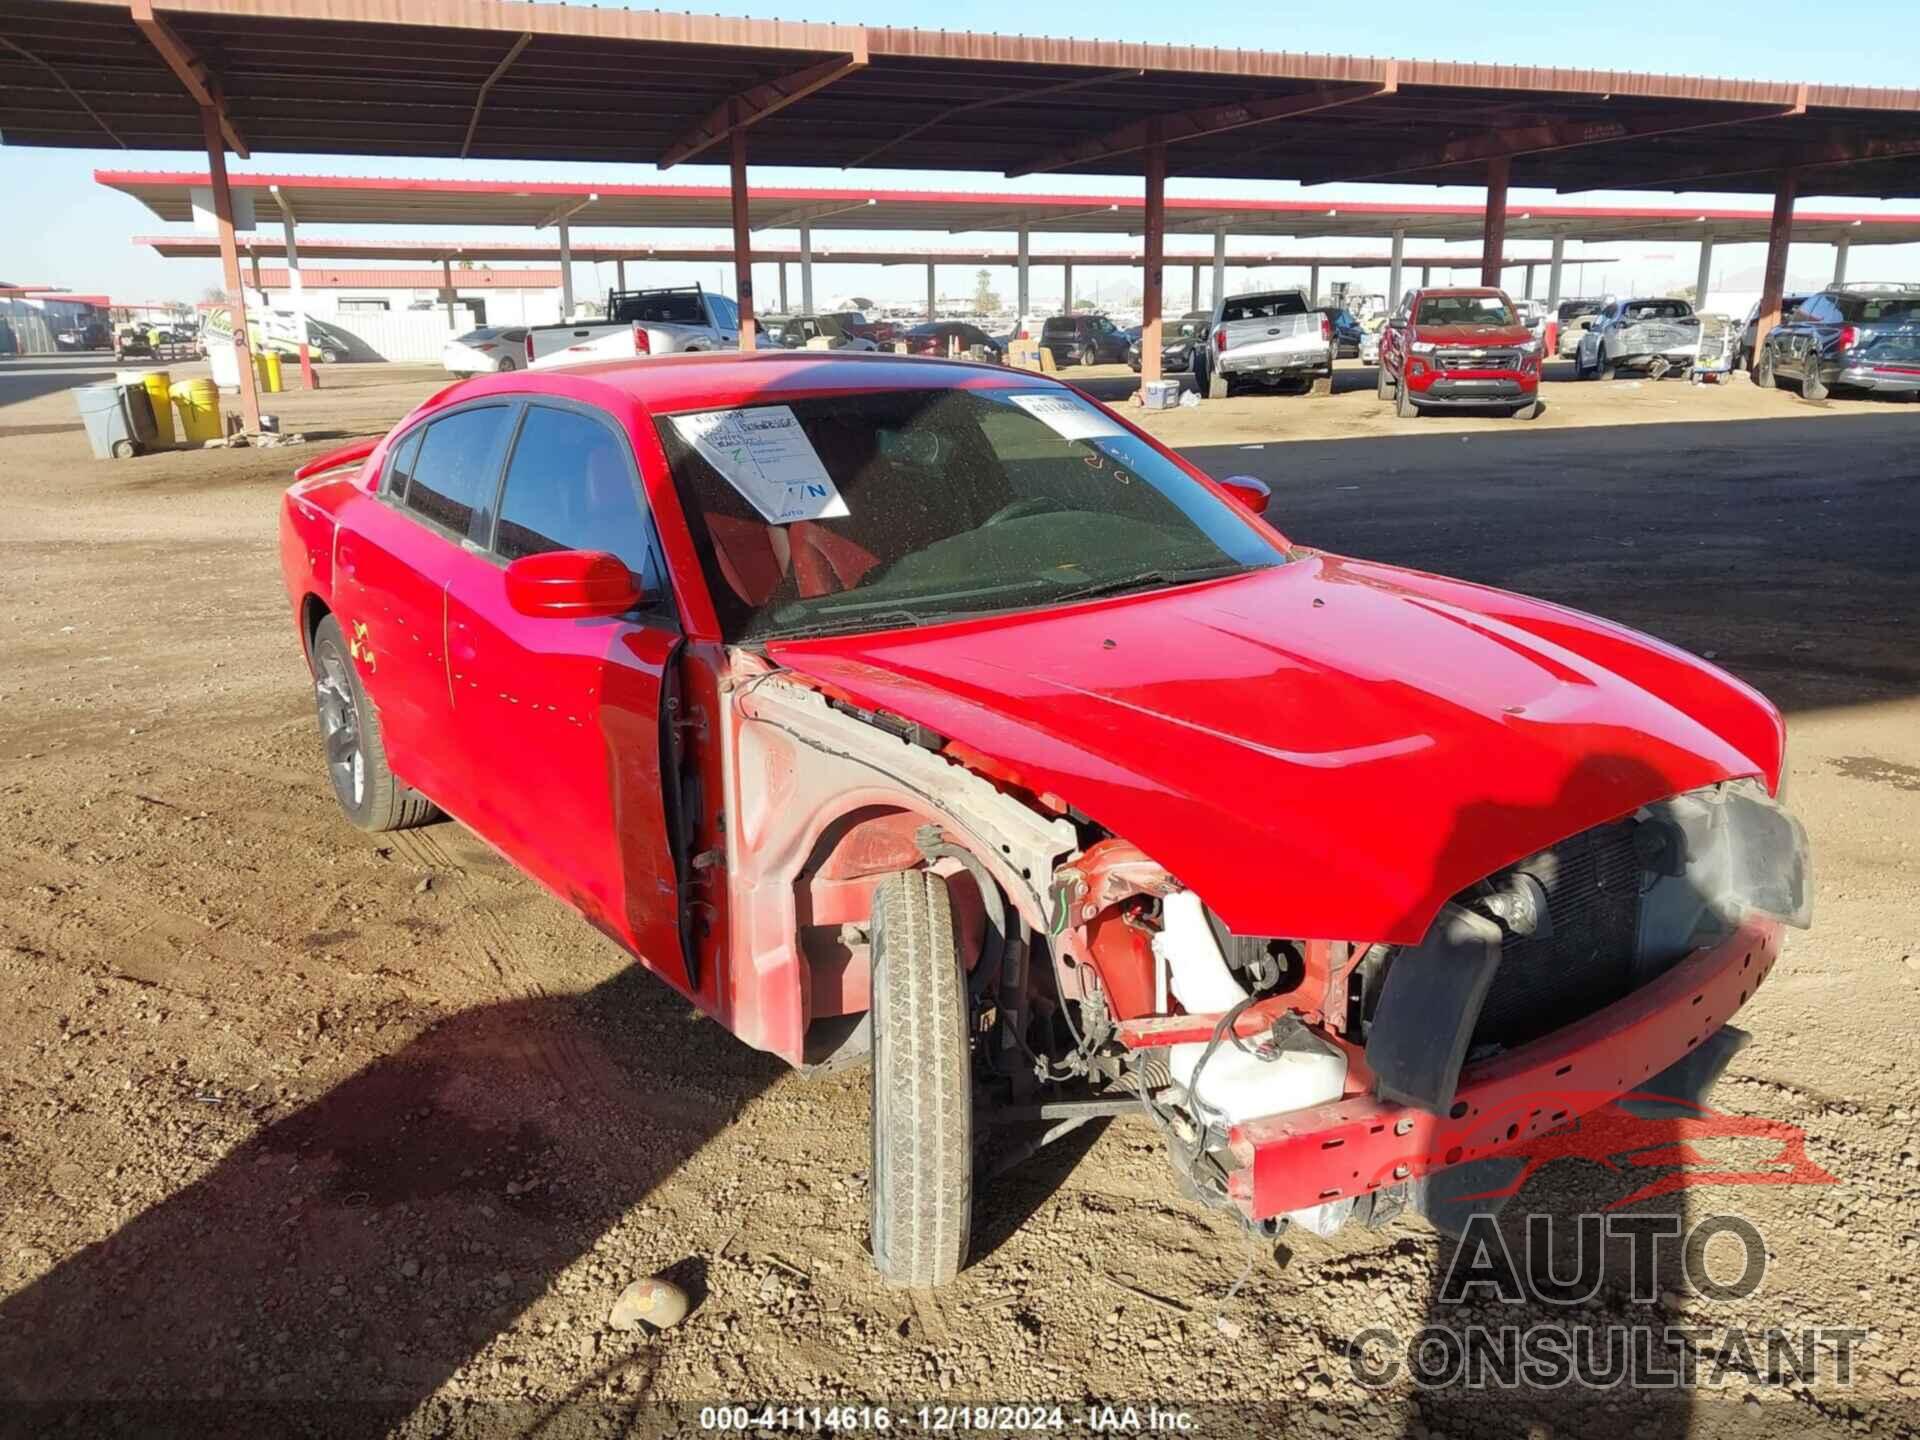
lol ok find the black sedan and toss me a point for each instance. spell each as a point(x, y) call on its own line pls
point(1177, 339)
point(943, 337)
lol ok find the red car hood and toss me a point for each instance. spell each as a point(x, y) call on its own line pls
point(1329, 749)
point(1473, 334)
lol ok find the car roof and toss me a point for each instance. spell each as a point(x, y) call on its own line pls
point(724, 378)
point(1463, 290)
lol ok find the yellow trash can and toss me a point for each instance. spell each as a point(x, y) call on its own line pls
point(198, 402)
point(156, 383)
point(274, 376)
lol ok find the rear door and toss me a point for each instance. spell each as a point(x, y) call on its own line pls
point(392, 555)
point(566, 715)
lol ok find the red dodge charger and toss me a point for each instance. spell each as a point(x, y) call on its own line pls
point(930, 714)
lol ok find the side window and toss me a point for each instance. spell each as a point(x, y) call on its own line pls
point(400, 464)
point(570, 486)
point(725, 316)
point(458, 469)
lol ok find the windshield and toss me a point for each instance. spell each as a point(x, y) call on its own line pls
point(1464, 310)
point(1262, 307)
point(909, 507)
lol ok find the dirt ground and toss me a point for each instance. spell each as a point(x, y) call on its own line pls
point(366, 1134)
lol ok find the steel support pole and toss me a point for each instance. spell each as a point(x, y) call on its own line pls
point(1193, 302)
point(230, 264)
point(1493, 230)
point(783, 287)
point(1840, 248)
point(1394, 269)
point(620, 273)
point(1313, 285)
point(806, 269)
point(1703, 281)
point(1528, 292)
point(1020, 286)
point(742, 235)
point(253, 265)
point(1155, 258)
point(566, 273)
point(1553, 272)
point(446, 287)
point(288, 226)
point(1219, 267)
point(1426, 273)
point(1066, 290)
point(1779, 241)
point(933, 293)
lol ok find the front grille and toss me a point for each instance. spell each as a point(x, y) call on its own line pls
point(1593, 885)
point(1486, 360)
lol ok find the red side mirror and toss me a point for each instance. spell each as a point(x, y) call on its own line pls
point(571, 585)
point(1250, 491)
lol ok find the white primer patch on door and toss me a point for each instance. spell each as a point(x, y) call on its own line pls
point(1069, 417)
point(765, 455)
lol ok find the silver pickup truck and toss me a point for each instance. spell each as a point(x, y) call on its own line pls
point(639, 322)
point(1264, 339)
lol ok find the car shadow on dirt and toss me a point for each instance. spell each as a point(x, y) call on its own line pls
point(361, 1250)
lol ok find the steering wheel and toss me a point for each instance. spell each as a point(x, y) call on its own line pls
point(1019, 509)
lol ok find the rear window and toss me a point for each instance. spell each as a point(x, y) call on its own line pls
point(667, 307)
point(1263, 307)
point(1464, 310)
point(458, 469)
point(1059, 325)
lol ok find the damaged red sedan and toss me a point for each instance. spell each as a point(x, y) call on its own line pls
point(930, 715)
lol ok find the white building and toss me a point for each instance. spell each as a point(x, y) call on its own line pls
point(493, 297)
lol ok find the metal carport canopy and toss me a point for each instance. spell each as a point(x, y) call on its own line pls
point(205, 247)
point(355, 200)
point(566, 82)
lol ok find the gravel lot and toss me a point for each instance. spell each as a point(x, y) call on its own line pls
point(368, 1131)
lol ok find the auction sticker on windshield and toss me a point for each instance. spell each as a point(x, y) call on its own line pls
point(765, 455)
point(1069, 417)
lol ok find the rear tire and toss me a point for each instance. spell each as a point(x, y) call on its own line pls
point(1812, 387)
point(367, 789)
point(1763, 371)
point(922, 1086)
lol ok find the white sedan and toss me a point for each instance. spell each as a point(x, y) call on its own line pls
point(488, 349)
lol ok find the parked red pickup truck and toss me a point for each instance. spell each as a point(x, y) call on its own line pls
point(932, 715)
point(1459, 347)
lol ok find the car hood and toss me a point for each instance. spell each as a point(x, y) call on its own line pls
point(1473, 334)
point(1326, 749)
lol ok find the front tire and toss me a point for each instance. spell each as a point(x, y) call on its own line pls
point(1382, 384)
point(1763, 370)
point(356, 756)
point(922, 1086)
point(1403, 405)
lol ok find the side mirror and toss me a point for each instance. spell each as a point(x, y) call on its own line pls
point(571, 585)
point(1250, 491)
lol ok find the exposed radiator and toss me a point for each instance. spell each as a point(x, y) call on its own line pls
point(1592, 882)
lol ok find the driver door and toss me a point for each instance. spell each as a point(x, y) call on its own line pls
point(565, 715)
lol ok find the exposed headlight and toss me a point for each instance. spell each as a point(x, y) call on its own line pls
point(1528, 347)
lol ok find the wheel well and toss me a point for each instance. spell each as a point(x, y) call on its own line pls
point(312, 611)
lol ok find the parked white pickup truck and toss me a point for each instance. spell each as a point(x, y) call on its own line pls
point(639, 322)
point(1264, 338)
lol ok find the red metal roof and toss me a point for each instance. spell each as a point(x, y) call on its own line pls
point(473, 78)
point(344, 199)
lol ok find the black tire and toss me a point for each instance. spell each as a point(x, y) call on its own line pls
point(1403, 405)
point(1812, 387)
point(125, 450)
point(1607, 371)
point(356, 757)
point(1383, 384)
point(1763, 370)
point(922, 1086)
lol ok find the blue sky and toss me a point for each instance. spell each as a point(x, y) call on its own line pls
point(81, 240)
